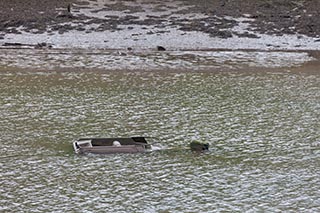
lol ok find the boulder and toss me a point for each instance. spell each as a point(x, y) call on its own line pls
point(198, 146)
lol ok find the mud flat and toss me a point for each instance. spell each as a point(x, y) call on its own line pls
point(129, 34)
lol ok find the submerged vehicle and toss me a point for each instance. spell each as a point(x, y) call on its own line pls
point(112, 145)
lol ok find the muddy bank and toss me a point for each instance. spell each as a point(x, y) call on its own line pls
point(145, 22)
point(159, 35)
point(270, 17)
point(276, 17)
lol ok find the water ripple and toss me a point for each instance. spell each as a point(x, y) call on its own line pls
point(262, 129)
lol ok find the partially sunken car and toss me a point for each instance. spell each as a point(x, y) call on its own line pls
point(111, 145)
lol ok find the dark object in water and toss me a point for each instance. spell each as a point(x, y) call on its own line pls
point(198, 146)
point(111, 145)
point(161, 48)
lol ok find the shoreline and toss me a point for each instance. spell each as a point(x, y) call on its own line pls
point(152, 60)
point(18, 46)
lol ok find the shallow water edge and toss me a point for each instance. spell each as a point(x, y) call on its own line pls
point(150, 60)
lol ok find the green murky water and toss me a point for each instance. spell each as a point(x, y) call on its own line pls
point(263, 129)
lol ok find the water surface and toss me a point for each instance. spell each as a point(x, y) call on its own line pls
point(263, 129)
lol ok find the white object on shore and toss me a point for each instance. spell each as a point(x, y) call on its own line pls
point(116, 143)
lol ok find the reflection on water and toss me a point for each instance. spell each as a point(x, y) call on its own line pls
point(263, 129)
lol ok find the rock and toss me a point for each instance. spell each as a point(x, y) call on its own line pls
point(161, 48)
point(198, 146)
point(42, 45)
